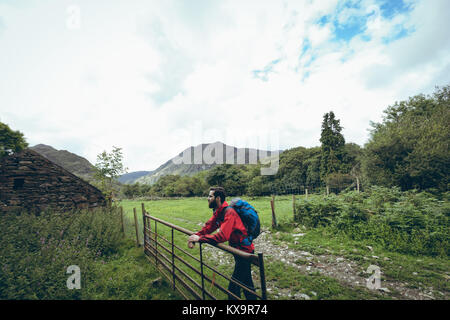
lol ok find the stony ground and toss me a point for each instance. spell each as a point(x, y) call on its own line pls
point(347, 272)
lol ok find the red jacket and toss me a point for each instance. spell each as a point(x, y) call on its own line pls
point(231, 229)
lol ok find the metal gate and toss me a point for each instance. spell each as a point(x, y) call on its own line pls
point(189, 281)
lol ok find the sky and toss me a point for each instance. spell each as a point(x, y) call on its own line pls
point(156, 77)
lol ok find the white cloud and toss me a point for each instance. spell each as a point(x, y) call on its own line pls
point(156, 77)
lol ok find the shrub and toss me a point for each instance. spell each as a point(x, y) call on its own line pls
point(38, 249)
point(408, 222)
point(317, 212)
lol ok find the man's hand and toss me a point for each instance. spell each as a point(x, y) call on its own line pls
point(192, 239)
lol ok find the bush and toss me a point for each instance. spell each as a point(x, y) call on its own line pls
point(318, 212)
point(408, 222)
point(38, 249)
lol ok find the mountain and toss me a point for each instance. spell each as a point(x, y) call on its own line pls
point(185, 162)
point(129, 178)
point(73, 163)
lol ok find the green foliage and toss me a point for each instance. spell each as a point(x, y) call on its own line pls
point(179, 186)
point(108, 168)
point(164, 185)
point(234, 178)
point(10, 140)
point(408, 222)
point(298, 168)
point(37, 250)
point(313, 213)
point(339, 181)
point(313, 168)
point(258, 186)
point(135, 190)
point(333, 146)
point(409, 148)
point(352, 159)
point(190, 186)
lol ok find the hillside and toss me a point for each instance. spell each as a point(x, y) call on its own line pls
point(129, 178)
point(73, 163)
point(179, 167)
point(84, 169)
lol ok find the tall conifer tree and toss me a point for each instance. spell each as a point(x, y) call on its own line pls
point(333, 146)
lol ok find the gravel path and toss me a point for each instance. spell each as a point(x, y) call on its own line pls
point(347, 272)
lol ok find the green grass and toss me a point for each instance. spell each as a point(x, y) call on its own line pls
point(129, 276)
point(36, 251)
point(191, 213)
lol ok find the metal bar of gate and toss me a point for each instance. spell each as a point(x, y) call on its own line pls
point(185, 285)
point(192, 268)
point(211, 268)
point(221, 288)
point(254, 259)
point(185, 263)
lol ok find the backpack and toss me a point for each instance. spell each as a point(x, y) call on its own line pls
point(249, 217)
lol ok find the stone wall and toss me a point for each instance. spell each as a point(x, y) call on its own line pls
point(30, 181)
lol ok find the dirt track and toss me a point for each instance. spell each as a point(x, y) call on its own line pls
point(347, 272)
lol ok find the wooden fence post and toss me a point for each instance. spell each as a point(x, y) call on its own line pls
point(136, 227)
point(274, 218)
point(306, 193)
point(293, 205)
point(121, 220)
point(144, 223)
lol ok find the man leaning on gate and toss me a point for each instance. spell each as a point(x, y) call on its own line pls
point(233, 230)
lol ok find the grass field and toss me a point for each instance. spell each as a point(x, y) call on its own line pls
point(412, 271)
point(190, 212)
point(36, 251)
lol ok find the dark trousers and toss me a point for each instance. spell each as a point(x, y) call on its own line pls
point(242, 274)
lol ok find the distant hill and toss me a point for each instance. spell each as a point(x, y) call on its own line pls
point(85, 170)
point(173, 166)
point(129, 178)
point(73, 163)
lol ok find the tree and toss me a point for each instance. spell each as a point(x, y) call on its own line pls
point(108, 168)
point(409, 148)
point(292, 170)
point(259, 186)
point(234, 178)
point(161, 187)
point(333, 146)
point(339, 181)
point(352, 163)
point(10, 141)
point(131, 190)
point(313, 165)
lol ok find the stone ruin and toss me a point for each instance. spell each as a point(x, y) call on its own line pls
point(32, 182)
